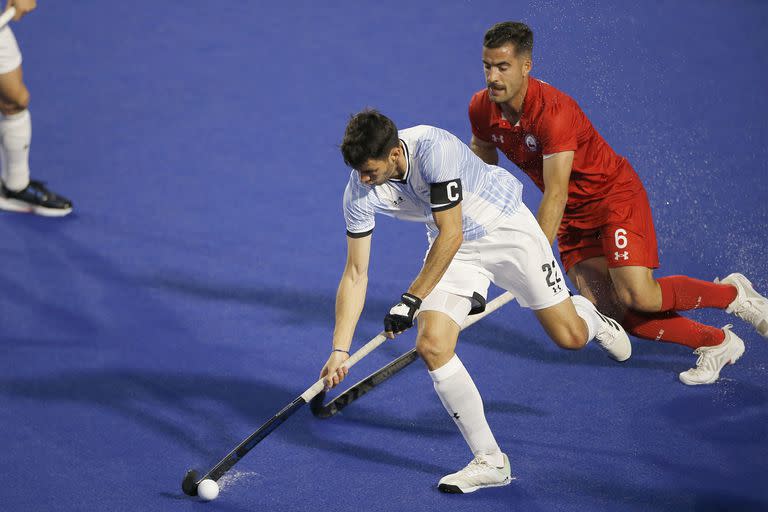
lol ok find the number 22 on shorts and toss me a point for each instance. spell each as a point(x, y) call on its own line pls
point(552, 271)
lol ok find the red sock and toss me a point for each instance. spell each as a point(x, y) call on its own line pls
point(681, 293)
point(672, 328)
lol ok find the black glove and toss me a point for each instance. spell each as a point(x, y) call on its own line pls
point(401, 315)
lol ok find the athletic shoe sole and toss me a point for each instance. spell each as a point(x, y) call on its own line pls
point(455, 489)
point(14, 205)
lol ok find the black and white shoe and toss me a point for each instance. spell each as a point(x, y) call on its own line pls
point(613, 339)
point(610, 335)
point(37, 199)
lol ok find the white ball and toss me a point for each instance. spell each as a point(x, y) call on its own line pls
point(208, 490)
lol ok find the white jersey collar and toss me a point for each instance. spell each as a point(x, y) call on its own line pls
point(404, 179)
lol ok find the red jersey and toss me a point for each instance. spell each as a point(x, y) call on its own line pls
point(552, 122)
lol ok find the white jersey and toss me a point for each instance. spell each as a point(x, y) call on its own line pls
point(433, 156)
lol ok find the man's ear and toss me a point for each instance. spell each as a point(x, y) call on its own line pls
point(527, 65)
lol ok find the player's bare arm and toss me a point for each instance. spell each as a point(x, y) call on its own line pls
point(23, 7)
point(485, 150)
point(441, 253)
point(350, 298)
point(445, 201)
point(556, 175)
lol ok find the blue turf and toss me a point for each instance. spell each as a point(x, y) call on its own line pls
point(191, 295)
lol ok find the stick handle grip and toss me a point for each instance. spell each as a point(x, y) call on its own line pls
point(363, 351)
point(318, 386)
point(7, 16)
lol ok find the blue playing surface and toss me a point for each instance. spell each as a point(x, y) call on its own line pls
point(191, 295)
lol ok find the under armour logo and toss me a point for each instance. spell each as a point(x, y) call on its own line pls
point(497, 138)
point(557, 289)
point(621, 255)
point(455, 415)
point(398, 201)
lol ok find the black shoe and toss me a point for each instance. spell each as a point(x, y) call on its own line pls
point(35, 198)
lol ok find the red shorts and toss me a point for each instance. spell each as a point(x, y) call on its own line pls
point(625, 238)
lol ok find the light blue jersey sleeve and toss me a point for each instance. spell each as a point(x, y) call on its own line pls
point(441, 157)
point(453, 174)
point(359, 213)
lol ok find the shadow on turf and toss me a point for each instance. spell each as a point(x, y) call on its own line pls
point(733, 413)
point(221, 505)
point(174, 406)
point(722, 502)
point(432, 423)
point(300, 306)
point(621, 492)
point(303, 307)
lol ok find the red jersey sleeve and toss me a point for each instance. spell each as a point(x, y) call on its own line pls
point(479, 116)
point(558, 128)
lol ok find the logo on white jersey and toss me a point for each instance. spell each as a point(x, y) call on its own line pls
point(497, 138)
point(397, 201)
point(531, 143)
point(621, 255)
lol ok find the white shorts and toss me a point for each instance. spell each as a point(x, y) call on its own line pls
point(10, 56)
point(516, 256)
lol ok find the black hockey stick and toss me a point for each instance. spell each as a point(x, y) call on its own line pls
point(361, 388)
point(192, 478)
point(384, 373)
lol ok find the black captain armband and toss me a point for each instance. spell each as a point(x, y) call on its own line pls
point(445, 195)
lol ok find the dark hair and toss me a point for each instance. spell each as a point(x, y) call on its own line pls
point(370, 135)
point(510, 32)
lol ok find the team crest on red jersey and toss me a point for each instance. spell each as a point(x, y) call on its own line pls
point(531, 143)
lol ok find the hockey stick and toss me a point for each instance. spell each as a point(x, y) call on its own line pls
point(192, 480)
point(384, 373)
point(359, 389)
point(7, 16)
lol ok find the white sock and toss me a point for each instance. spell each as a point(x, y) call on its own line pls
point(15, 137)
point(462, 400)
point(587, 311)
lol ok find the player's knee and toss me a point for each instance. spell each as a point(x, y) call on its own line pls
point(634, 297)
point(570, 340)
point(431, 348)
point(571, 336)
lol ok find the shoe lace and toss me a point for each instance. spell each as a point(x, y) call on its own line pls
point(747, 312)
point(607, 336)
point(606, 339)
point(476, 466)
point(705, 361)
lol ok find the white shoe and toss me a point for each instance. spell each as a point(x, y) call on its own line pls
point(476, 475)
point(712, 359)
point(613, 338)
point(748, 305)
